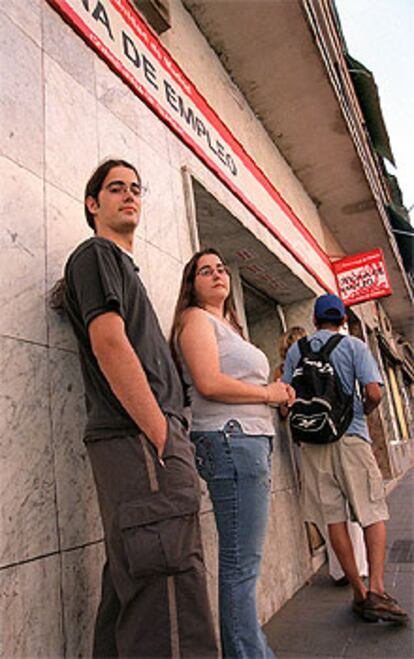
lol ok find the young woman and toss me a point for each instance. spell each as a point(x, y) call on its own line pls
point(232, 429)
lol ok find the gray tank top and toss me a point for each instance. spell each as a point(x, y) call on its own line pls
point(242, 361)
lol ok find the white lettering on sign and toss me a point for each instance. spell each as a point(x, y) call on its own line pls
point(120, 37)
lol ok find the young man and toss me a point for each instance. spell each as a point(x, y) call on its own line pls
point(346, 472)
point(154, 597)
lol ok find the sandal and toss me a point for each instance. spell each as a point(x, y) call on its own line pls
point(382, 607)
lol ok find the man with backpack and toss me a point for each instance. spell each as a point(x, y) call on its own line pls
point(338, 467)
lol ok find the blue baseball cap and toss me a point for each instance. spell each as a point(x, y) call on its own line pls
point(329, 307)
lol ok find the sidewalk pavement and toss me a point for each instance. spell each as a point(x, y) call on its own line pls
point(318, 622)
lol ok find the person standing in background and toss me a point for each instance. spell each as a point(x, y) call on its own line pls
point(287, 339)
point(344, 475)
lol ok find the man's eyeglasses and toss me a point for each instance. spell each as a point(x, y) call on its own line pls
point(117, 187)
point(208, 270)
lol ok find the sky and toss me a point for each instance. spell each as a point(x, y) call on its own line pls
point(380, 35)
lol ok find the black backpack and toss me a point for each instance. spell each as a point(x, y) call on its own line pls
point(322, 411)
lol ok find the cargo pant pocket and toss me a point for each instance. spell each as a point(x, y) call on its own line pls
point(160, 535)
point(375, 486)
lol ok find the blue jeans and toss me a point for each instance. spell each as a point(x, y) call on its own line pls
point(236, 468)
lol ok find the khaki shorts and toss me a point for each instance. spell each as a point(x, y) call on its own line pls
point(334, 475)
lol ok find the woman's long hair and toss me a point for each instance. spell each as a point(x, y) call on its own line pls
point(290, 337)
point(187, 298)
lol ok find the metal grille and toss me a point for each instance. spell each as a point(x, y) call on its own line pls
point(402, 551)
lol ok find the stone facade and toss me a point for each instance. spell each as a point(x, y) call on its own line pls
point(62, 111)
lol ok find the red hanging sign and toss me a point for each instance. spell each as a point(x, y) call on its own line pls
point(362, 277)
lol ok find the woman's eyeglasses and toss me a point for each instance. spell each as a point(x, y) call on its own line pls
point(208, 270)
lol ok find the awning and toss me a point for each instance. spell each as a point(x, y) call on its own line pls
point(404, 235)
point(404, 359)
point(386, 348)
point(367, 92)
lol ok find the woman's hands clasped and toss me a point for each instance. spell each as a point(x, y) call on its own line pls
point(279, 393)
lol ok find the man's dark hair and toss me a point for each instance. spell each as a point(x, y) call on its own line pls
point(335, 321)
point(94, 185)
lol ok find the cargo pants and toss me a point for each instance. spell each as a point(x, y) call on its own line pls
point(154, 599)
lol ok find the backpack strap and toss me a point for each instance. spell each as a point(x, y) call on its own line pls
point(328, 348)
point(331, 343)
point(304, 347)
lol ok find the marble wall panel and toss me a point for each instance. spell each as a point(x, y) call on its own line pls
point(115, 95)
point(165, 279)
point(78, 513)
point(71, 144)
point(22, 244)
point(158, 206)
point(66, 227)
point(300, 313)
point(286, 560)
point(27, 16)
point(180, 154)
point(115, 138)
point(31, 612)
point(152, 130)
point(69, 51)
point(21, 99)
point(206, 505)
point(81, 583)
point(284, 461)
point(27, 488)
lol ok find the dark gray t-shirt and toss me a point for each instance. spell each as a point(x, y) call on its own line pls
point(100, 277)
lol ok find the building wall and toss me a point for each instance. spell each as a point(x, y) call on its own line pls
point(193, 54)
point(62, 111)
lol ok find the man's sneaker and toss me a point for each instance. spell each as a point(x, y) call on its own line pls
point(382, 607)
